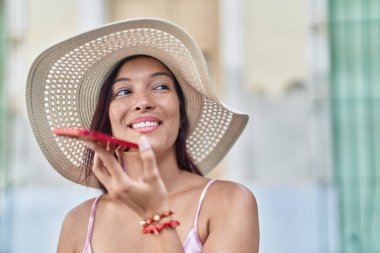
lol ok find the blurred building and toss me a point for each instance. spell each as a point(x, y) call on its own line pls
point(259, 59)
point(314, 173)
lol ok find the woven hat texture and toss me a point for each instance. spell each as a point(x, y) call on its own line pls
point(64, 82)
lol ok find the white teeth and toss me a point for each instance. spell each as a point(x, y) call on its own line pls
point(145, 124)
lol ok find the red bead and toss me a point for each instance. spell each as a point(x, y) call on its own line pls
point(160, 227)
point(157, 228)
point(156, 218)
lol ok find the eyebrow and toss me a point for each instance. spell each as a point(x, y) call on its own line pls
point(162, 73)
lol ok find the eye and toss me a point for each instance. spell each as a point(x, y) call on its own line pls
point(122, 92)
point(161, 86)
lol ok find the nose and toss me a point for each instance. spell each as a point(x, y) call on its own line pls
point(143, 102)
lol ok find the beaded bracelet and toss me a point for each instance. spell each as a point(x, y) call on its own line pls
point(156, 229)
point(156, 218)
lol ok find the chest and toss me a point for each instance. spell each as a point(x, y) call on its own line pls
point(118, 230)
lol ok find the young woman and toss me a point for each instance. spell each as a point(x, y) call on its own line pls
point(143, 81)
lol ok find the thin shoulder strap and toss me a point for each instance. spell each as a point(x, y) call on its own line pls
point(91, 223)
point(200, 203)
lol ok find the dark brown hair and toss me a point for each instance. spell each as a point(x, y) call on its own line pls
point(101, 122)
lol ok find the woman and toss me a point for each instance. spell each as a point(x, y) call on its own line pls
point(153, 88)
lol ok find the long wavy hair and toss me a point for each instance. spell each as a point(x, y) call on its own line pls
point(101, 123)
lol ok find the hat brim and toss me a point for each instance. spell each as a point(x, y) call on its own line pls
point(64, 82)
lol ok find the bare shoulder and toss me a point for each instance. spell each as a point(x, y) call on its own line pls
point(80, 212)
point(74, 228)
point(233, 206)
point(232, 194)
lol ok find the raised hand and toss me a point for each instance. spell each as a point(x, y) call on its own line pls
point(147, 195)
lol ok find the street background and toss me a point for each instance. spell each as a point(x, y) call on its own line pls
point(307, 73)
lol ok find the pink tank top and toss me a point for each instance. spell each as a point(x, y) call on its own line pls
point(192, 243)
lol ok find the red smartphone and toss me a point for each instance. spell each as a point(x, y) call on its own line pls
point(85, 134)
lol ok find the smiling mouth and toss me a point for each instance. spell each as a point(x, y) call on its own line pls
point(144, 124)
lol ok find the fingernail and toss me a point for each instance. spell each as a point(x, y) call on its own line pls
point(144, 143)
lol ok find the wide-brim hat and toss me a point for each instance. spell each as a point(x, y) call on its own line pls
point(64, 82)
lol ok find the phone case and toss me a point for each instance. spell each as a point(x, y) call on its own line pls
point(85, 134)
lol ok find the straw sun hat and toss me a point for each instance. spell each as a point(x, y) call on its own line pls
point(65, 80)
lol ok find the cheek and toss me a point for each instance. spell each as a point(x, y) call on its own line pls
point(178, 119)
point(174, 112)
point(116, 111)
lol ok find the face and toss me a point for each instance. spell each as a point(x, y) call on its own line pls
point(145, 102)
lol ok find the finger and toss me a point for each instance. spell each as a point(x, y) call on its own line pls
point(121, 148)
point(100, 171)
point(119, 151)
point(148, 159)
point(100, 143)
point(107, 158)
point(111, 147)
point(97, 162)
point(120, 157)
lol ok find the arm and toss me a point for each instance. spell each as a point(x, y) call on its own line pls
point(233, 222)
point(74, 229)
point(67, 237)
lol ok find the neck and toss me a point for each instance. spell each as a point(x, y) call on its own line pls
point(166, 163)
